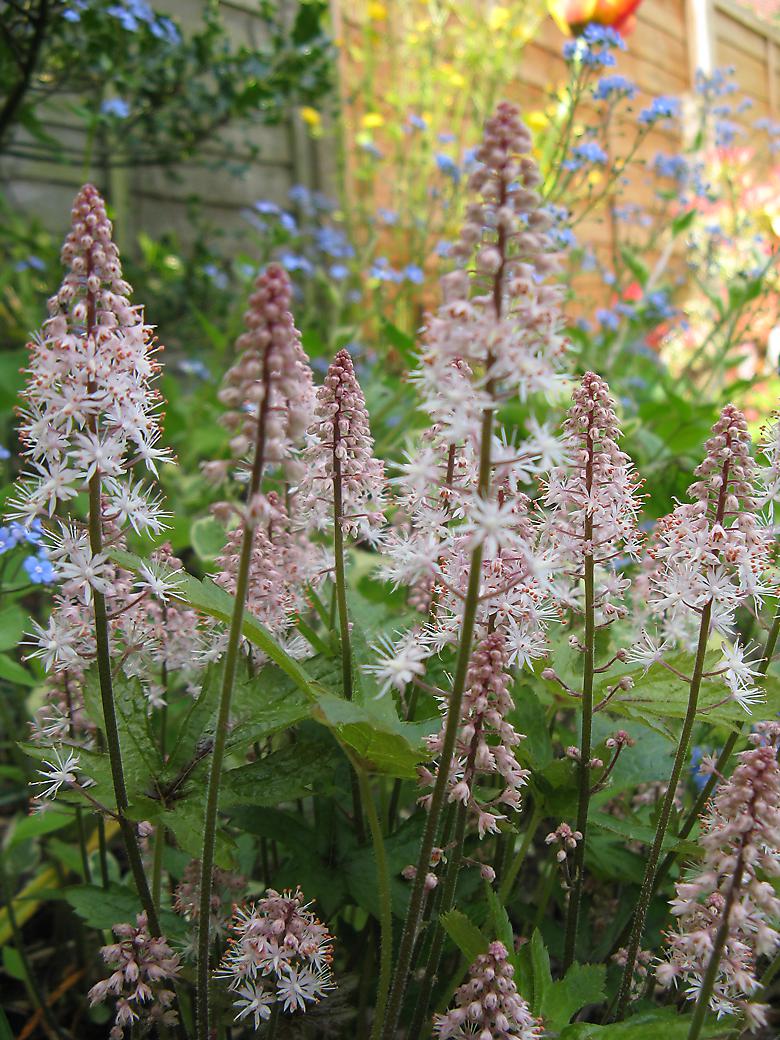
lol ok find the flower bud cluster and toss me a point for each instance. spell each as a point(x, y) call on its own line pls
point(339, 462)
point(279, 953)
point(741, 843)
point(142, 965)
point(485, 740)
point(593, 500)
point(283, 561)
point(488, 1006)
point(269, 391)
point(225, 889)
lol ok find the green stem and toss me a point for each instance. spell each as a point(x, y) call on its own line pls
point(223, 720)
point(452, 724)
point(508, 881)
point(341, 601)
point(103, 647)
point(723, 758)
point(385, 904)
point(646, 892)
point(575, 902)
point(447, 900)
point(708, 982)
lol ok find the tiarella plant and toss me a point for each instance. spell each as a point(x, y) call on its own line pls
point(475, 708)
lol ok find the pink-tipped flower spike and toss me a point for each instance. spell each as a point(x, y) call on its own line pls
point(593, 499)
point(343, 485)
point(339, 462)
point(142, 966)
point(486, 741)
point(728, 912)
point(488, 1006)
point(711, 556)
point(592, 502)
point(90, 407)
point(270, 385)
point(279, 954)
point(714, 553)
point(507, 340)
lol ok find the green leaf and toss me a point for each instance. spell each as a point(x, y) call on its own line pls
point(683, 222)
point(401, 848)
point(12, 963)
point(13, 621)
point(104, 907)
point(631, 830)
point(466, 936)
point(296, 771)
point(382, 743)
point(583, 984)
point(37, 825)
point(534, 968)
point(502, 926)
point(207, 536)
point(13, 672)
point(528, 717)
point(646, 1025)
point(635, 265)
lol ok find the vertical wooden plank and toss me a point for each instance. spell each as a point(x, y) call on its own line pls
point(771, 72)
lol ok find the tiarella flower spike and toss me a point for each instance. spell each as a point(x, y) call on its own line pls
point(593, 500)
point(270, 386)
point(339, 459)
point(90, 407)
point(715, 552)
point(279, 953)
point(486, 741)
point(488, 1006)
point(142, 968)
point(732, 893)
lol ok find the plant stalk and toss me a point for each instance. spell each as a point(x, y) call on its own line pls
point(648, 882)
point(223, 720)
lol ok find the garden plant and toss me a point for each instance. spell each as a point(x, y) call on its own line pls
point(403, 668)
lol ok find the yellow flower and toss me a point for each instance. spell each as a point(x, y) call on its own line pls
point(498, 18)
point(537, 120)
point(310, 116)
point(377, 12)
point(372, 120)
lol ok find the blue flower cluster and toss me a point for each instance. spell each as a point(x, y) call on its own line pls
point(588, 154)
point(661, 107)
point(447, 165)
point(611, 88)
point(37, 566)
point(132, 14)
point(116, 107)
point(382, 271)
point(594, 48)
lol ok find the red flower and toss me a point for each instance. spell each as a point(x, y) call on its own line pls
point(572, 16)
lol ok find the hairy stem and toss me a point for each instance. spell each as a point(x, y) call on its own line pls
point(385, 905)
point(646, 892)
point(583, 805)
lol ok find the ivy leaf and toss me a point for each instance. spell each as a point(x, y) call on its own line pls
point(466, 936)
point(583, 984)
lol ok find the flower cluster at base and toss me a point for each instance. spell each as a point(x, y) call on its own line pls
point(741, 842)
point(485, 739)
point(143, 965)
point(279, 953)
point(488, 1006)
